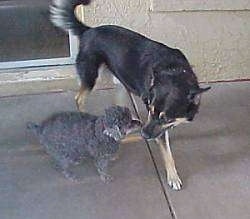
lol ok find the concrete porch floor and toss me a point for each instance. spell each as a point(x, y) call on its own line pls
point(212, 156)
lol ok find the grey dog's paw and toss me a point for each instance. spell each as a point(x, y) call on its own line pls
point(69, 175)
point(115, 157)
point(106, 178)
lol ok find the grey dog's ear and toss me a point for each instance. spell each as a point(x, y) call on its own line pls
point(136, 123)
point(113, 132)
point(134, 126)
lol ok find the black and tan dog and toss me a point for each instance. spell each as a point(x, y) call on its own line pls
point(160, 75)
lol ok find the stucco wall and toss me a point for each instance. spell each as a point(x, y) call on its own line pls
point(214, 36)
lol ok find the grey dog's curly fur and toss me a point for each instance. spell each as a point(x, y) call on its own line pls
point(70, 136)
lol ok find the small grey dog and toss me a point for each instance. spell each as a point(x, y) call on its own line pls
point(71, 136)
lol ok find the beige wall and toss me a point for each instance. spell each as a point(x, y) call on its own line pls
point(214, 35)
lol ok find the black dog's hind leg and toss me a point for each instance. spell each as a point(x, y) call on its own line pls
point(102, 167)
point(87, 70)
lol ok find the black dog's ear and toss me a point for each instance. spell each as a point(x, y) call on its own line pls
point(195, 94)
point(201, 90)
point(198, 90)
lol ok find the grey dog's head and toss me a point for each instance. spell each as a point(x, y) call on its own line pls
point(174, 98)
point(119, 122)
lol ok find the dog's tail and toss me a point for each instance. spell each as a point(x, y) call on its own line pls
point(34, 128)
point(62, 15)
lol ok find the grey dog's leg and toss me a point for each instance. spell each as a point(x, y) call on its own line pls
point(70, 175)
point(102, 168)
point(115, 157)
point(174, 180)
point(63, 167)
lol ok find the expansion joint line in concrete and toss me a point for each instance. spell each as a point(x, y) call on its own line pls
point(171, 209)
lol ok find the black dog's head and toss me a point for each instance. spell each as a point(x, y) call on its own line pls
point(174, 98)
point(119, 122)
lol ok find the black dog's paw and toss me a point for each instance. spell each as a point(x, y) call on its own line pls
point(174, 181)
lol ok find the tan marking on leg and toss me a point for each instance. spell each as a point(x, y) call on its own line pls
point(172, 175)
point(80, 98)
point(131, 139)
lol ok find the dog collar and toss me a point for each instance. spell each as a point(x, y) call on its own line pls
point(113, 133)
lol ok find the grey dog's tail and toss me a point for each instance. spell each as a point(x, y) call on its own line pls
point(62, 15)
point(34, 128)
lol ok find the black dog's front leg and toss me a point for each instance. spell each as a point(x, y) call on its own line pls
point(173, 179)
point(102, 168)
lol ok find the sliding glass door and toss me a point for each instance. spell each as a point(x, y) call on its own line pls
point(27, 37)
